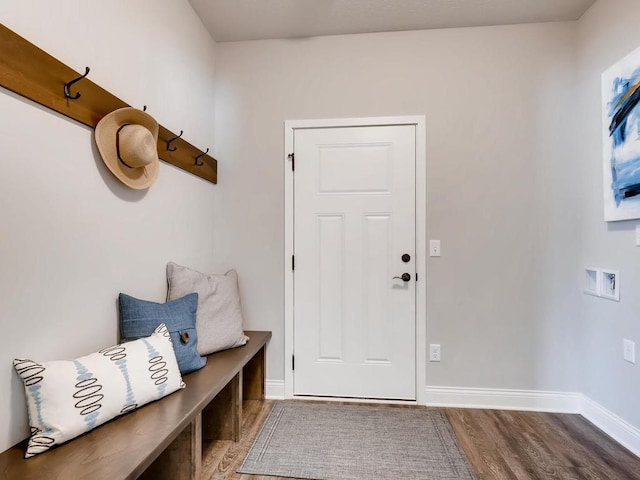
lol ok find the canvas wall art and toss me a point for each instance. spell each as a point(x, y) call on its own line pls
point(621, 138)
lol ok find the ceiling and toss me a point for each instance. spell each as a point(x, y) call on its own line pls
point(233, 20)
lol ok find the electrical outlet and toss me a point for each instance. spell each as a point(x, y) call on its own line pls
point(629, 349)
point(434, 352)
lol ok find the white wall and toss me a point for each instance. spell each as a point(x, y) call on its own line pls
point(72, 236)
point(514, 186)
point(501, 195)
point(607, 32)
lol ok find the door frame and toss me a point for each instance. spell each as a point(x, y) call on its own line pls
point(419, 121)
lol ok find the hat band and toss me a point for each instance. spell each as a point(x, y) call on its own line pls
point(118, 146)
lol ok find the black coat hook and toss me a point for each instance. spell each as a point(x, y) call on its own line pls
point(169, 142)
point(144, 108)
point(67, 93)
point(199, 164)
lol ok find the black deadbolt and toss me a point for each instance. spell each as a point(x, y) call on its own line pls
point(406, 258)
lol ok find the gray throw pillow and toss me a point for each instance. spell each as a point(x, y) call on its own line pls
point(219, 317)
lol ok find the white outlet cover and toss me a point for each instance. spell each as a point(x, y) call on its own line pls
point(434, 352)
point(629, 351)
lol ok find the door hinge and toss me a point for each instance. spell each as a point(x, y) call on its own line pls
point(416, 276)
point(293, 262)
point(293, 362)
point(292, 156)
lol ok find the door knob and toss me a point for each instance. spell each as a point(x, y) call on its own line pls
point(405, 277)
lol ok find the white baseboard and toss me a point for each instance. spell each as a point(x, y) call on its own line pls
point(620, 430)
point(533, 400)
point(274, 389)
point(539, 401)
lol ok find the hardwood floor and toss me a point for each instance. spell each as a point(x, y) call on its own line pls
point(499, 445)
point(521, 445)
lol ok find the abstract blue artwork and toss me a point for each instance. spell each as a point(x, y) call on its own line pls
point(621, 138)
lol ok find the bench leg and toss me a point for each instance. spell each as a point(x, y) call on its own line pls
point(253, 377)
point(182, 459)
point(222, 418)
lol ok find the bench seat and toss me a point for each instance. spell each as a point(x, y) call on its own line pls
point(162, 439)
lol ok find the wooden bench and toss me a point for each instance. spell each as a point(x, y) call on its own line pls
point(162, 440)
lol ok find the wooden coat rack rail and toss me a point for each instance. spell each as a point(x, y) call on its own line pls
point(33, 73)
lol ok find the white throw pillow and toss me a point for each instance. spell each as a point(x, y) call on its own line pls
point(70, 397)
point(219, 317)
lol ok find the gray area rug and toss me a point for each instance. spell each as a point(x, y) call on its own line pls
point(339, 442)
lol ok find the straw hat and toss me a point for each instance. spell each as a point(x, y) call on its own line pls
point(127, 140)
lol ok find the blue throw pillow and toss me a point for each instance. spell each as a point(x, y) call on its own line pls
point(139, 318)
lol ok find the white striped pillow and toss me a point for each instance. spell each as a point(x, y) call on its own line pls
point(70, 397)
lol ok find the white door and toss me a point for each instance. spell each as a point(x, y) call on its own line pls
point(354, 220)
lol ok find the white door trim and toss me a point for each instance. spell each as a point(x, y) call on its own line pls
point(421, 242)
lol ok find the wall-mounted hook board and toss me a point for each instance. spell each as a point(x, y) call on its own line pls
point(33, 73)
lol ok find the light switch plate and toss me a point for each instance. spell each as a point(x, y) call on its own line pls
point(434, 248)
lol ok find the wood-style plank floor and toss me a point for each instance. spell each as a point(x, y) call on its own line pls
point(499, 445)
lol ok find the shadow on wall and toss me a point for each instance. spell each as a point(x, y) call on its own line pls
point(117, 188)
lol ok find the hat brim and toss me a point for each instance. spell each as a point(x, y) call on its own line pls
point(105, 136)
